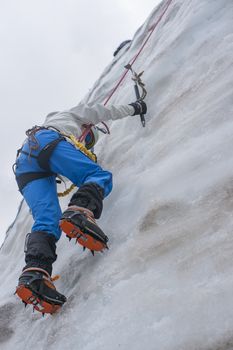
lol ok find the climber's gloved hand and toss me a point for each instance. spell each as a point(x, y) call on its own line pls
point(139, 106)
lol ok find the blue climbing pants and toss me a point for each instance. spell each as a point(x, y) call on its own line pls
point(41, 194)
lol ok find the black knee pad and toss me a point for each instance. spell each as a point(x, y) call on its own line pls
point(89, 196)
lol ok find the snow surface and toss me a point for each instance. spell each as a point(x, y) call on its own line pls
point(167, 281)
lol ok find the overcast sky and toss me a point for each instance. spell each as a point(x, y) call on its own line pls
point(52, 51)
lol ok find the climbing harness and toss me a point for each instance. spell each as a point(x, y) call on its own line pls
point(44, 156)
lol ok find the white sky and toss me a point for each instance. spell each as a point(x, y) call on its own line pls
point(52, 51)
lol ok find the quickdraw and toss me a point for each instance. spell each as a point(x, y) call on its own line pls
point(138, 82)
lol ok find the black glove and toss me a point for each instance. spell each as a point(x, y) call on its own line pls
point(139, 106)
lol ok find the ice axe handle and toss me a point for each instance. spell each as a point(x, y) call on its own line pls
point(143, 121)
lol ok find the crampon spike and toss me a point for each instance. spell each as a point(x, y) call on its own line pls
point(91, 239)
point(43, 306)
point(84, 248)
point(92, 252)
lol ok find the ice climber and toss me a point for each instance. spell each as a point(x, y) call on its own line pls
point(47, 152)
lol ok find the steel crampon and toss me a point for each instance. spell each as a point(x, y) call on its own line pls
point(30, 295)
point(84, 229)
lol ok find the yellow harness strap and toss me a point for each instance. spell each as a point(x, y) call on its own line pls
point(79, 145)
point(82, 148)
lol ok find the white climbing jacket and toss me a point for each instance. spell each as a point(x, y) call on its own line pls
point(70, 122)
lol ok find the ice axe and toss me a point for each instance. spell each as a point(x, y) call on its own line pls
point(138, 82)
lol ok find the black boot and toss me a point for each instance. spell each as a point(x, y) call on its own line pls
point(36, 287)
point(35, 284)
point(78, 221)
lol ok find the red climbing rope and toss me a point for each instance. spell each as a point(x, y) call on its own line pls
point(138, 53)
point(87, 129)
point(85, 132)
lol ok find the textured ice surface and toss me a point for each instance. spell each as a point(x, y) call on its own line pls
point(167, 281)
